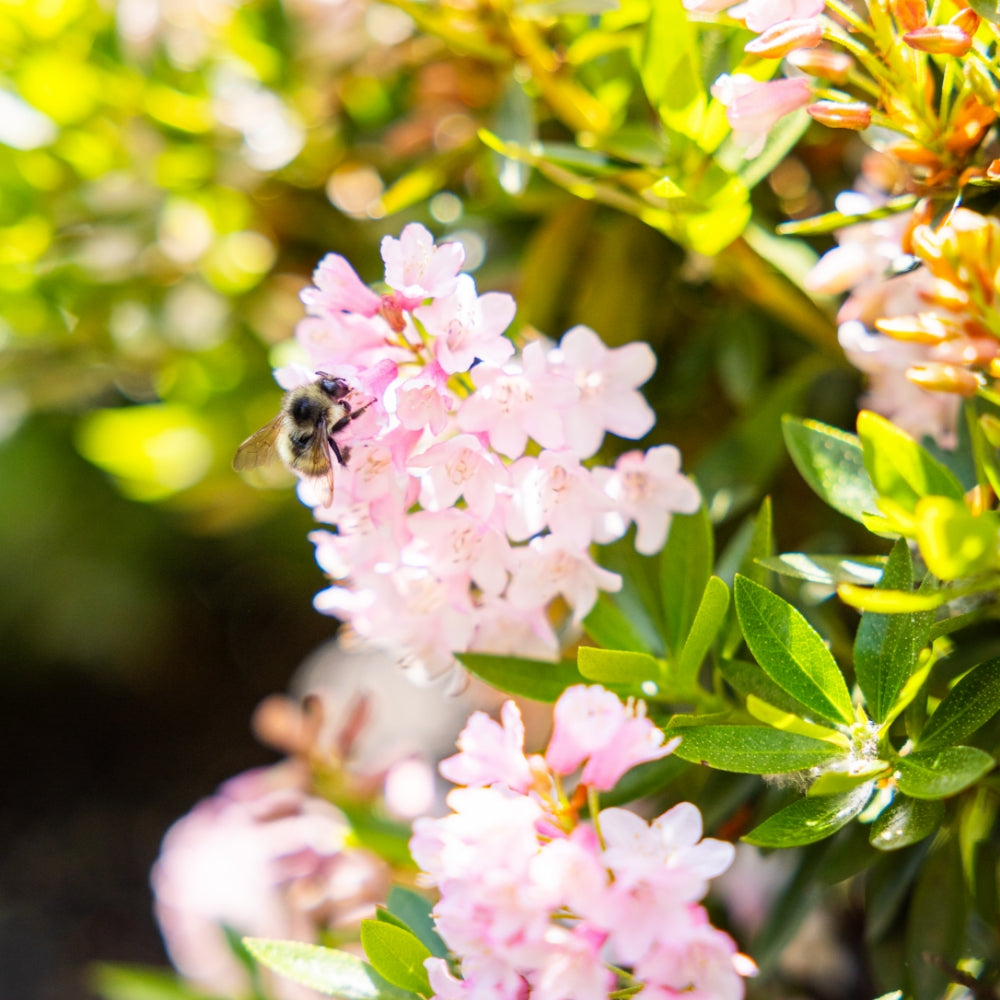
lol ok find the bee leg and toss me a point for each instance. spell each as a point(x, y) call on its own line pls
point(340, 455)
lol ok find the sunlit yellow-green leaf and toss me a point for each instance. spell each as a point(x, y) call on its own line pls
point(953, 541)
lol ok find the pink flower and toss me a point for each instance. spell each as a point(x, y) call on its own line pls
point(467, 326)
point(424, 401)
point(516, 402)
point(460, 466)
point(418, 269)
point(763, 14)
point(592, 724)
point(753, 108)
point(502, 628)
point(338, 289)
point(607, 379)
point(550, 566)
point(648, 488)
point(491, 752)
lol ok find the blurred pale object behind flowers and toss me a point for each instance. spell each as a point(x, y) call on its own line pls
point(261, 857)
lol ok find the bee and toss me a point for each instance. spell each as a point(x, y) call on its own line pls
point(303, 435)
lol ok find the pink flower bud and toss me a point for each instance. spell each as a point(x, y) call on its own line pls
point(940, 39)
point(824, 63)
point(910, 14)
point(783, 38)
point(833, 114)
point(966, 19)
point(944, 378)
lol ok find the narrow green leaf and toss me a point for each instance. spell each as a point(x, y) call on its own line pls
point(791, 653)
point(888, 886)
point(381, 913)
point(887, 647)
point(538, 679)
point(748, 679)
point(415, 912)
point(830, 221)
point(333, 973)
point(832, 463)
point(953, 541)
point(751, 749)
point(974, 700)
point(685, 566)
point(397, 954)
point(827, 570)
point(895, 602)
point(708, 620)
point(809, 820)
point(611, 628)
point(751, 557)
point(936, 774)
point(669, 68)
point(644, 779)
point(834, 781)
point(615, 666)
point(906, 821)
point(900, 468)
point(792, 722)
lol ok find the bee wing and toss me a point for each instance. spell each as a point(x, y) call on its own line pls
point(261, 448)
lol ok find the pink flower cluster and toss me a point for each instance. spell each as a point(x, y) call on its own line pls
point(535, 903)
point(465, 507)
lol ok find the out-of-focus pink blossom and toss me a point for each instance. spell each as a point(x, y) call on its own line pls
point(760, 15)
point(416, 267)
point(338, 289)
point(491, 752)
point(754, 108)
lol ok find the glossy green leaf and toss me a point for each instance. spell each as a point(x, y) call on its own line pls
point(906, 821)
point(644, 779)
point(747, 557)
point(708, 619)
point(896, 602)
point(809, 820)
point(330, 972)
point(415, 912)
point(836, 781)
point(953, 541)
point(751, 749)
point(791, 652)
point(832, 463)
point(936, 774)
point(614, 666)
point(397, 954)
point(792, 722)
point(901, 469)
point(685, 567)
point(988, 10)
point(748, 679)
point(971, 702)
point(827, 570)
point(886, 647)
point(538, 679)
point(888, 886)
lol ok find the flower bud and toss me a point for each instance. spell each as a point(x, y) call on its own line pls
point(966, 19)
point(824, 63)
point(854, 115)
point(910, 14)
point(924, 328)
point(940, 40)
point(944, 378)
point(969, 124)
point(785, 37)
point(915, 154)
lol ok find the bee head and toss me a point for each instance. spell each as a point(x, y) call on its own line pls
point(335, 388)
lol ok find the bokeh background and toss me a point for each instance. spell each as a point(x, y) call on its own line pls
point(171, 171)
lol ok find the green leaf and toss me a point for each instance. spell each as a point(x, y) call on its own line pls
point(708, 620)
point(827, 570)
point(333, 973)
point(609, 626)
point(685, 566)
point(971, 702)
point(397, 954)
point(615, 666)
point(751, 555)
point(791, 653)
point(669, 68)
point(810, 819)
point(644, 779)
point(791, 722)
point(953, 541)
point(751, 749)
point(906, 821)
point(888, 886)
point(114, 981)
point(832, 463)
point(887, 647)
point(988, 10)
point(936, 774)
point(901, 469)
point(830, 221)
point(748, 679)
point(415, 912)
point(834, 781)
point(896, 602)
point(538, 679)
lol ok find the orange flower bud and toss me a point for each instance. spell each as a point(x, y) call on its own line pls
point(854, 115)
point(966, 19)
point(994, 371)
point(824, 63)
point(910, 14)
point(923, 328)
point(993, 170)
point(785, 37)
point(944, 378)
point(969, 124)
point(939, 40)
point(916, 155)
